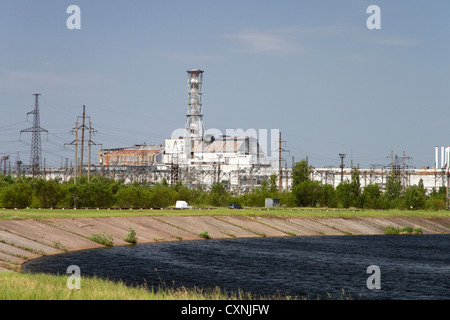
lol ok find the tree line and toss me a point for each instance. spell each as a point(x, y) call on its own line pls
point(350, 193)
point(104, 192)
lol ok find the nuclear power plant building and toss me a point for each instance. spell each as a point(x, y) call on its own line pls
point(193, 156)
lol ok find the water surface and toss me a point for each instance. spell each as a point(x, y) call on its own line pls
point(411, 266)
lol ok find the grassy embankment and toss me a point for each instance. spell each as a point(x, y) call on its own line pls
point(11, 214)
point(43, 287)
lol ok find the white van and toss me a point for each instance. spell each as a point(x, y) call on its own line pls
point(182, 205)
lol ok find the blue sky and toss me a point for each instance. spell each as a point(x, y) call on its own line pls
point(311, 69)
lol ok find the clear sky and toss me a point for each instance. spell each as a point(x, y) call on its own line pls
point(311, 69)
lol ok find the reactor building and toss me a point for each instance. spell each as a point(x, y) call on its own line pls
point(196, 156)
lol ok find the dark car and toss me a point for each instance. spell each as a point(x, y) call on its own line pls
point(234, 206)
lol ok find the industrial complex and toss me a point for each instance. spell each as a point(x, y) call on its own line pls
point(196, 156)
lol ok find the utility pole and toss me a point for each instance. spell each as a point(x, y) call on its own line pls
point(448, 185)
point(4, 158)
point(174, 167)
point(250, 177)
point(82, 141)
point(280, 169)
point(392, 163)
point(18, 165)
point(287, 175)
point(75, 142)
point(239, 178)
point(36, 150)
point(342, 156)
point(75, 172)
point(45, 173)
point(403, 172)
point(89, 156)
point(280, 179)
point(218, 167)
point(90, 144)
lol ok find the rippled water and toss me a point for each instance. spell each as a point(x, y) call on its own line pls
point(411, 267)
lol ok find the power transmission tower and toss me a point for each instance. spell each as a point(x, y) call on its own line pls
point(399, 167)
point(36, 150)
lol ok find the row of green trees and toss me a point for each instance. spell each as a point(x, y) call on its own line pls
point(106, 193)
point(350, 193)
point(99, 193)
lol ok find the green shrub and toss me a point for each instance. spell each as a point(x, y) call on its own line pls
point(218, 196)
point(103, 238)
point(162, 196)
point(407, 230)
point(131, 236)
point(371, 197)
point(17, 195)
point(133, 196)
point(414, 197)
point(392, 230)
point(435, 204)
point(46, 193)
point(205, 235)
point(403, 230)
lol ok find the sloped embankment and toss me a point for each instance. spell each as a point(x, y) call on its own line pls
point(22, 240)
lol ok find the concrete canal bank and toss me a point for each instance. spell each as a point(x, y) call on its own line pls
point(22, 240)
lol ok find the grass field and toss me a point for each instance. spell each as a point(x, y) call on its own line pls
point(25, 286)
point(12, 214)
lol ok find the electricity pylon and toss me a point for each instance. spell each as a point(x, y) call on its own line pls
point(36, 150)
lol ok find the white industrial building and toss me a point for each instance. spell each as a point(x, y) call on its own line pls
point(207, 158)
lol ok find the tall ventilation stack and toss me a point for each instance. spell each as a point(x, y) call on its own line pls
point(194, 129)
